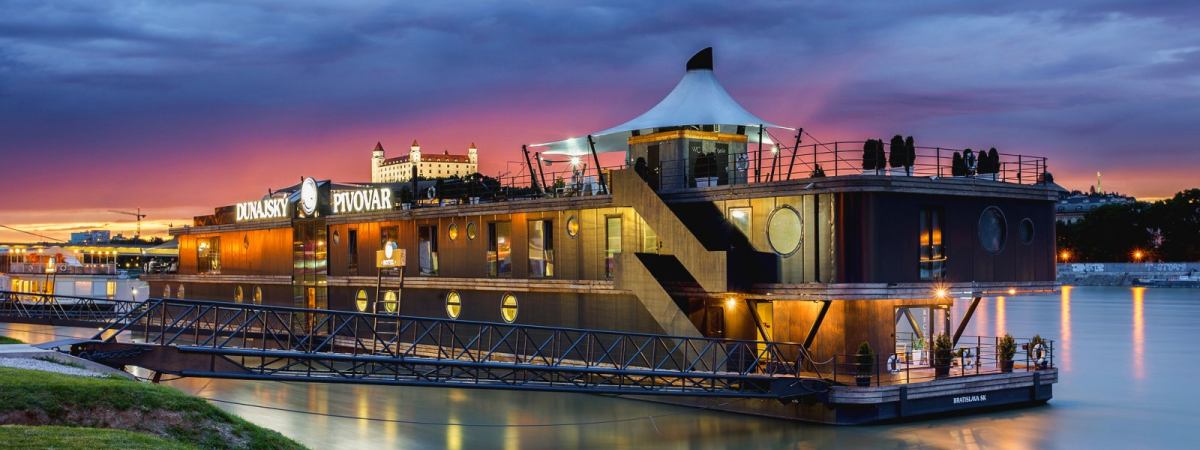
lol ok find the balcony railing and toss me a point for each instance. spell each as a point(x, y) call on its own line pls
point(62, 269)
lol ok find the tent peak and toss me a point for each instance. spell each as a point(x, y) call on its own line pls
point(702, 60)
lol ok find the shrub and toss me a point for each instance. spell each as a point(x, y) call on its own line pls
point(910, 154)
point(817, 172)
point(943, 350)
point(1006, 347)
point(993, 160)
point(1033, 343)
point(958, 168)
point(865, 359)
point(868, 161)
point(899, 152)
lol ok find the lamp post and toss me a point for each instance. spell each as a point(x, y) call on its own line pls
point(1138, 255)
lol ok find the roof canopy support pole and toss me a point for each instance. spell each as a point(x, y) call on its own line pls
point(532, 174)
point(758, 160)
point(966, 318)
point(795, 150)
point(596, 159)
point(541, 173)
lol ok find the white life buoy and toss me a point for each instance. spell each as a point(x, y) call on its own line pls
point(893, 364)
point(1039, 355)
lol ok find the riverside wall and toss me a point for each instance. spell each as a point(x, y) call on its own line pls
point(1127, 274)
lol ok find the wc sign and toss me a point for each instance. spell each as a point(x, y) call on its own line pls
point(390, 257)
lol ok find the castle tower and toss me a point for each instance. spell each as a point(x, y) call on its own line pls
point(414, 152)
point(377, 157)
point(473, 154)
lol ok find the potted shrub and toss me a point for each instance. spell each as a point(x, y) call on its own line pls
point(868, 160)
point(899, 150)
point(957, 167)
point(943, 354)
point(910, 155)
point(817, 172)
point(1005, 349)
point(918, 351)
point(864, 363)
point(993, 162)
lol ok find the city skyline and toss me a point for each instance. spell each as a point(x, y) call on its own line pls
point(177, 109)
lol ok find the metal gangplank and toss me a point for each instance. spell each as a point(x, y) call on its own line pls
point(197, 338)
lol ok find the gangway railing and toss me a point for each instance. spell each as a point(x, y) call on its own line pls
point(285, 343)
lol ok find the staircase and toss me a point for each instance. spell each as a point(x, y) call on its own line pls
point(640, 273)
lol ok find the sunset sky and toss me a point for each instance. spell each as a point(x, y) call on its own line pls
point(177, 107)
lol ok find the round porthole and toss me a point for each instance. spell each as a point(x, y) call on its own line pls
point(508, 308)
point(993, 229)
point(166, 291)
point(360, 300)
point(453, 304)
point(179, 293)
point(572, 226)
point(452, 231)
point(1026, 230)
point(783, 230)
point(471, 231)
point(390, 302)
point(238, 295)
point(257, 295)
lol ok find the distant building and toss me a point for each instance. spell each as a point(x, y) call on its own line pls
point(400, 168)
point(91, 237)
point(1073, 206)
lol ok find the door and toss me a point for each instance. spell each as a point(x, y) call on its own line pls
point(653, 166)
point(764, 311)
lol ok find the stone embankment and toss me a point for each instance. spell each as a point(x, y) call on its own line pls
point(1130, 274)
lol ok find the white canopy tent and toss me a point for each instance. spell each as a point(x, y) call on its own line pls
point(698, 99)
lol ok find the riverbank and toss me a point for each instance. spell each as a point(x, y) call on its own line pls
point(1181, 275)
point(50, 403)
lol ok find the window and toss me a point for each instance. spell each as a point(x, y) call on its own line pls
point(499, 249)
point(1026, 230)
point(352, 247)
point(360, 300)
point(258, 295)
point(933, 251)
point(783, 230)
point(452, 231)
point(541, 248)
point(390, 302)
point(612, 244)
point(166, 291)
point(572, 226)
point(238, 295)
point(453, 304)
point(508, 308)
point(427, 249)
point(648, 237)
point(740, 218)
point(471, 231)
point(180, 293)
point(208, 255)
point(110, 289)
point(993, 229)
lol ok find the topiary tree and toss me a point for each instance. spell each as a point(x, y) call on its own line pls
point(899, 152)
point(864, 364)
point(868, 161)
point(910, 154)
point(993, 162)
point(957, 167)
point(817, 172)
point(1006, 348)
point(880, 156)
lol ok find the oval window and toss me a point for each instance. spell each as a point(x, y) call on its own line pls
point(453, 304)
point(1026, 230)
point(257, 295)
point(572, 226)
point(166, 291)
point(471, 230)
point(179, 293)
point(238, 295)
point(360, 300)
point(783, 230)
point(508, 308)
point(993, 229)
point(452, 231)
point(390, 303)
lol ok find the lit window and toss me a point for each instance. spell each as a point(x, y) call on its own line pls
point(933, 250)
point(452, 231)
point(180, 292)
point(572, 226)
point(740, 217)
point(360, 300)
point(499, 249)
point(166, 291)
point(238, 295)
point(453, 304)
point(110, 289)
point(390, 302)
point(471, 231)
point(541, 248)
point(508, 308)
point(784, 231)
point(427, 255)
point(612, 244)
point(208, 255)
point(258, 299)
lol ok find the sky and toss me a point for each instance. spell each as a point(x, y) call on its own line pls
point(179, 107)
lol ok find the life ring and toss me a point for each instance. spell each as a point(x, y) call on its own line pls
point(1039, 355)
point(968, 357)
point(893, 364)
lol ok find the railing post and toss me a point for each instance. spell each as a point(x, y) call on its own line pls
point(939, 162)
point(835, 165)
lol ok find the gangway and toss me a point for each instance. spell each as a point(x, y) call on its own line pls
point(213, 339)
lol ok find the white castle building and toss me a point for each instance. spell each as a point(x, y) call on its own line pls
point(400, 168)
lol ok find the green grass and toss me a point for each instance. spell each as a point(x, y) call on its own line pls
point(57, 399)
point(55, 437)
point(8, 340)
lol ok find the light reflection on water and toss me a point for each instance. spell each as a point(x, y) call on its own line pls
point(1123, 354)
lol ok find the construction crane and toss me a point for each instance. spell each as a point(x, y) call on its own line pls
point(137, 214)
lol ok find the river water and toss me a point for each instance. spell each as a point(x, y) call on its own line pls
point(1128, 379)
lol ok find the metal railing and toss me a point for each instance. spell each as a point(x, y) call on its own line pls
point(63, 308)
point(974, 355)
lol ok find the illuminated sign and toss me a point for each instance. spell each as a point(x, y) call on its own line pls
point(271, 208)
point(390, 257)
point(362, 200)
point(308, 196)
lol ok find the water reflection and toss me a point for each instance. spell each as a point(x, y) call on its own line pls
point(1063, 347)
point(1139, 333)
point(1001, 311)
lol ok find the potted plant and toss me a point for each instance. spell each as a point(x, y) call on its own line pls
point(817, 172)
point(918, 351)
point(943, 354)
point(899, 150)
point(993, 162)
point(868, 159)
point(1005, 349)
point(864, 362)
point(910, 155)
point(957, 167)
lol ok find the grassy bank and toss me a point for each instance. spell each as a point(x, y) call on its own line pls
point(24, 437)
point(41, 398)
point(8, 340)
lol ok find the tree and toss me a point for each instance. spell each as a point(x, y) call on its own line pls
point(957, 167)
point(993, 161)
point(1177, 221)
point(910, 151)
point(899, 152)
point(880, 156)
point(868, 160)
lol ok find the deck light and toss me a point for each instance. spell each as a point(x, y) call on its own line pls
point(1137, 255)
point(1012, 291)
point(940, 292)
point(574, 161)
point(730, 302)
point(1064, 255)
